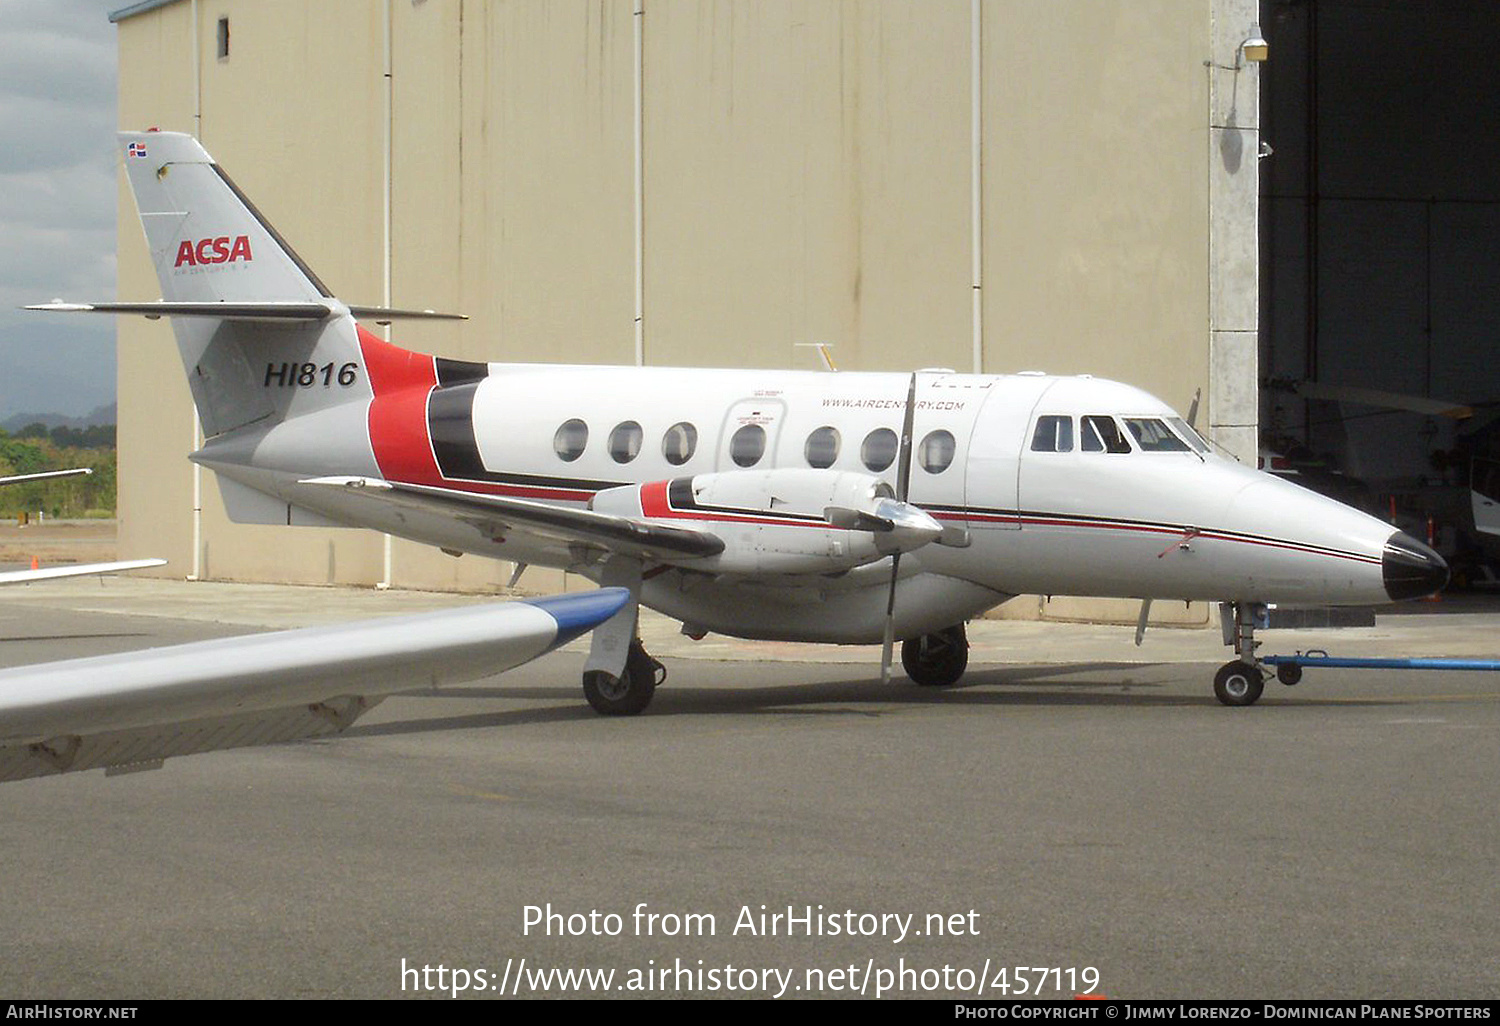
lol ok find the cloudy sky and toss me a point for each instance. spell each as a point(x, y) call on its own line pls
point(57, 202)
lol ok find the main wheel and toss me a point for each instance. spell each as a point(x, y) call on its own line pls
point(936, 660)
point(627, 694)
point(1238, 683)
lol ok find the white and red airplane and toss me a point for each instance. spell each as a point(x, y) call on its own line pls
point(850, 508)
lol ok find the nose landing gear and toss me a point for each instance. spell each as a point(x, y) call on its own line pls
point(1241, 681)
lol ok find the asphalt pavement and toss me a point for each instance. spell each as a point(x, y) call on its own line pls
point(1077, 807)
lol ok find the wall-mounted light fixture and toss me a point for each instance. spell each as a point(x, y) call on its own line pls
point(1255, 49)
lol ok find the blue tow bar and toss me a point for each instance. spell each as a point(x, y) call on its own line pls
point(1289, 668)
point(1317, 657)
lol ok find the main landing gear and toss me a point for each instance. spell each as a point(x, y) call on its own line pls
point(1241, 681)
point(619, 677)
point(936, 660)
point(629, 692)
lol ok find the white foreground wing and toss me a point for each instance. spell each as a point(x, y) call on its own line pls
point(76, 570)
point(132, 710)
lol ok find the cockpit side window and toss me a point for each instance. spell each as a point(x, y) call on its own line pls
point(1153, 435)
point(1053, 434)
point(1102, 434)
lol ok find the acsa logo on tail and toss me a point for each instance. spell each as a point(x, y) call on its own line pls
point(222, 250)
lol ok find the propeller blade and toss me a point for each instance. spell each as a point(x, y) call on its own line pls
point(903, 467)
point(889, 644)
point(903, 486)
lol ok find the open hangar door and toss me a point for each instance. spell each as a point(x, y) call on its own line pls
point(1380, 252)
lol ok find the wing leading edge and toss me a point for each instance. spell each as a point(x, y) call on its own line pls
point(76, 570)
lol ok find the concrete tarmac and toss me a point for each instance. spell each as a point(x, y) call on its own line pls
point(1076, 803)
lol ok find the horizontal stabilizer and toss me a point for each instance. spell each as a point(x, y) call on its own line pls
point(383, 314)
point(223, 311)
point(226, 311)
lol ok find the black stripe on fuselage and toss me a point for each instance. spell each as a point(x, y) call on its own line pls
point(680, 498)
point(450, 426)
point(459, 372)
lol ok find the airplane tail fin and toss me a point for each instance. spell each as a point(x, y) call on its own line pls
point(208, 242)
point(262, 338)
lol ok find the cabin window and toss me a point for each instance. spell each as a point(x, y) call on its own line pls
point(878, 450)
point(747, 445)
point(570, 440)
point(679, 443)
point(1102, 434)
point(625, 442)
point(1190, 433)
point(1053, 434)
point(936, 451)
point(1153, 435)
point(822, 447)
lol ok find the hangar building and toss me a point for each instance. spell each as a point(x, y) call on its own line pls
point(1073, 186)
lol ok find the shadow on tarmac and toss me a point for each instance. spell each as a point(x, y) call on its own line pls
point(863, 697)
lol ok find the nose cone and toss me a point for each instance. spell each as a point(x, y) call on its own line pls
point(1411, 570)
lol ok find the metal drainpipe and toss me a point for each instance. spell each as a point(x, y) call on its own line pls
point(197, 436)
point(976, 182)
point(385, 580)
point(638, 18)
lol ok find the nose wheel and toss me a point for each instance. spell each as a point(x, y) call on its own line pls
point(1241, 681)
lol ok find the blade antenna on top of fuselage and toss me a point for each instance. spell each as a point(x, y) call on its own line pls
point(903, 485)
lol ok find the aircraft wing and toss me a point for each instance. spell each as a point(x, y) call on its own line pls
point(45, 475)
point(130, 711)
point(75, 570)
point(497, 514)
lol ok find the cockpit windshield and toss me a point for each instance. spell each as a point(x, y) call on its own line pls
point(1190, 433)
point(1102, 434)
point(1153, 435)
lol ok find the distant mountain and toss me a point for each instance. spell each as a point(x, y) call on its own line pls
point(100, 416)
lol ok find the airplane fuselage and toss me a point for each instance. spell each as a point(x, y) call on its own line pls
point(1061, 485)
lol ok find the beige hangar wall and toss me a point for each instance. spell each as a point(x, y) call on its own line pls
point(806, 175)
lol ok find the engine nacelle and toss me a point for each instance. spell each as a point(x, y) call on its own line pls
point(787, 521)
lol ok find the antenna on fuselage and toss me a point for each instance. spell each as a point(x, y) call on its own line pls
point(823, 352)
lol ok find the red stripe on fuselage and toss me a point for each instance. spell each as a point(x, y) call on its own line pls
point(654, 500)
point(399, 435)
point(1205, 534)
point(401, 381)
